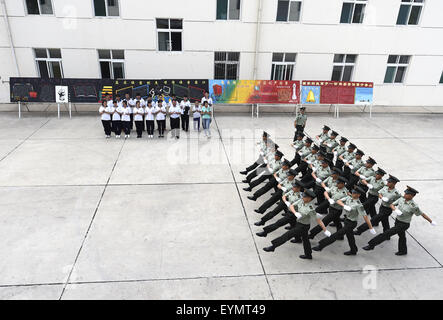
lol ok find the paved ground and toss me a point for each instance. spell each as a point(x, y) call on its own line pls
point(85, 217)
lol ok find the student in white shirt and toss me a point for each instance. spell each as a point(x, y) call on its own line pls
point(138, 97)
point(149, 116)
point(131, 105)
point(174, 115)
point(207, 98)
point(116, 120)
point(185, 106)
point(138, 118)
point(110, 104)
point(196, 109)
point(160, 116)
point(119, 101)
point(126, 118)
point(206, 118)
point(105, 116)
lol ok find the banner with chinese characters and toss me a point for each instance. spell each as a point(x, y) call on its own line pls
point(337, 92)
point(254, 91)
point(162, 89)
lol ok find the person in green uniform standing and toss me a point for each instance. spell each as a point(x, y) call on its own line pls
point(300, 122)
point(353, 208)
point(404, 208)
point(305, 211)
point(388, 194)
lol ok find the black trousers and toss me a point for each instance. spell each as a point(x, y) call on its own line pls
point(332, 216)
point(398, 228)
point(320, 193)
point(291, 219)
point(258, 162)
point(139, 128)
point(132, 120)
point(272, 200)
point(150, 127)
point(296, 160)
point(175, 123)
point(346, 172)
point(347, 230)
point(268, 186)
point(271, 214)
point(117, 127)
point(260, 179)
point(126, 127)
point(353, 179)
point(161, 125)
point(299, 231)
point(256, 172)
point(185, 122)
point(107, 127)
point(363, 196)
point(339, 164)
point(383, 216)
point(302, 167)
point(369, 205)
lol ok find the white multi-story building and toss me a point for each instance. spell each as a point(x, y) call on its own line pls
point(397, 44)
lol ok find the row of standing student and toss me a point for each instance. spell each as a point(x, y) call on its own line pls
point(120, 115)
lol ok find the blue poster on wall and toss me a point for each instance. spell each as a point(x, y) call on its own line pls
point(310, 95)
point(364, 95)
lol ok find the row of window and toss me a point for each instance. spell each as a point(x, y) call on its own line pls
point(226, 65)
point(353, 11)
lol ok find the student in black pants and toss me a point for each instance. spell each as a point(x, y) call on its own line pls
point(126, 119)
point(149, 116)
point(185, 105)
point(116, 120)
point(160, 116)
point(138, 119)
point(105, 116)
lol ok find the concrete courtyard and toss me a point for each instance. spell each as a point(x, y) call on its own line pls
point(83, 217)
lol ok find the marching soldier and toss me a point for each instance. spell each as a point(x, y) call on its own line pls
point(338, 151)
point(335, 193)
point(305, 210)
point(307, 160)
point(283, 186)
point(405, 208)
point(319, 174)
point(347, 156)
point(363, 172)
point(289, 198)
point(298, 143)
point(331, 143)
point(353, 208)
point(304, 151)
point(388, 194)
point(271, 149)
point(374, 185)
point(324, 135)
point(331, 181)
point(300, 122)
point(263, 146)
point(271, 167)
point(278, 174)
point(353, 165)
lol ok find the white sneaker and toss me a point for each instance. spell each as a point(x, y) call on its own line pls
point(118, 137)
point(129, 136)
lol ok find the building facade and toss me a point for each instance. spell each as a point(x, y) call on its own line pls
point(397, 44)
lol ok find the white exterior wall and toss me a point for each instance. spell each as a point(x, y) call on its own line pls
point(315, 39)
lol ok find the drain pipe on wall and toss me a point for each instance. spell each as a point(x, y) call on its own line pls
point(257, 38)
point(11, 43)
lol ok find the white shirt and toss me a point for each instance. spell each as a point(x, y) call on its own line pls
point(209, 101)
point(115, 115)
point(160, 115)
point(138, 114)
point(175, 109)
point(184, 104)
point(104, 116)
point(126, 114)
point(196, 111)
point(142, 102)
point(119, 103)
point(110, 103)
point(149, 113)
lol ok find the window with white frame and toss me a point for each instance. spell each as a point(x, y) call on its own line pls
point(343, 68)
point(169, 33)
point(228, 9)
point(353, 11)
point(112, 64)
point(49, 63)
point(226, 65)
point(283, 65)
point(106, 8)
point(39, 6)
point(396, 70)
point(410, 11)
point(288, 10)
